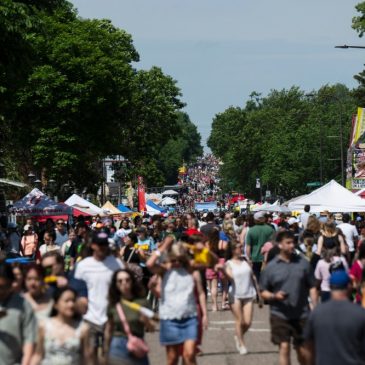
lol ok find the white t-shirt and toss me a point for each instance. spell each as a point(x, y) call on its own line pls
point(97, 275)
point(350, 232)
point(303, 218)
point(121, 233)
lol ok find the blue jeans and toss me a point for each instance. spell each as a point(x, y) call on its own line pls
point(119, 353)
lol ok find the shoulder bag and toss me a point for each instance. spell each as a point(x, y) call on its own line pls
point(135, 345)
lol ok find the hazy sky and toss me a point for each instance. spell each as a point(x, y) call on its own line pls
point(220, 51)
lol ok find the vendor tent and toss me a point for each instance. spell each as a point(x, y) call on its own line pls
point(124, 209)
point(83, 205)
point(168, 201)
point(332, 197)
point(153, 208)
point(156, 198)
point(37, 203)
point(170, 192)
point(110, 209)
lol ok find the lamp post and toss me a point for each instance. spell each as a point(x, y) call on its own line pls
point(345, 46)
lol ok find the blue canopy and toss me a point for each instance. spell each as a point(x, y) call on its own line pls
point(124, 209)
point(155, 206)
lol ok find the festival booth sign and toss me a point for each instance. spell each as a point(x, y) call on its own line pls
point(206, 206)
point(38, 204)
point(84, 206)
point(355, 169)
point(332, 197)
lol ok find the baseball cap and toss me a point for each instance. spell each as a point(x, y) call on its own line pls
point(292, 221)
point(100, 238)
point(339, 279)
point(259, 215)
point(27, 226)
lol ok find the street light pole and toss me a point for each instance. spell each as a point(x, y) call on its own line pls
point(345, 46)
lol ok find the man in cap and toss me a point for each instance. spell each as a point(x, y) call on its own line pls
point(256, 237)
point(97, 271)
point(335, 330)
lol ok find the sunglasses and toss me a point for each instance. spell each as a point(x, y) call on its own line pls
point(61, 223)
point(127, 280)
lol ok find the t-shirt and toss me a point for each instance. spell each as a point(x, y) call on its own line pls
point(17, 328)
point(60, 238)
point(337, 329)
point(133, 318)
point(256, 237)
point(243, 286)
point(350, 232)
point(295, 279)
point(303, 218)
point(97, 276)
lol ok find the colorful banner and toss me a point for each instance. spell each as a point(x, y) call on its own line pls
point(141, 195)
point(359, 125)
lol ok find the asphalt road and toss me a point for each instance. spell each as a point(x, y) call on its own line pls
point(218, 343)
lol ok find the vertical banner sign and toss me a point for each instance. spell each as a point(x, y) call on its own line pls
point(141, 195)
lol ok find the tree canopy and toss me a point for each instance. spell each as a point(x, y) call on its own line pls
point(277, 138)
point(72, 96)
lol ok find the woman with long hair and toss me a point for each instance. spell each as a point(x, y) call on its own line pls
point(322, 272)
point(63, 339)
point(177, 308)
point(36, 291)
point(330, 238)
point(226, 237)
point(124, 286)
point(242, 294)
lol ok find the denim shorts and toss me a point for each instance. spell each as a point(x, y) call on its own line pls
point(119, 354)
point(177, 331)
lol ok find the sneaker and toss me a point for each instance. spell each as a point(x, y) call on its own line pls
point(237, 343)
point(243, 350)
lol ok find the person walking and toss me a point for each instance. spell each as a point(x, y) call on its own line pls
point(17, 322)
point(286, 283)
point(335, 330)
point(177, 308)
point(351, 235)
point(97, 271)
point(256, 237)
point(29, 242)
point(243, 292)
point(117, 330)
point(63, 338)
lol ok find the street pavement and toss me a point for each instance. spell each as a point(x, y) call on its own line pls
point(218, 343)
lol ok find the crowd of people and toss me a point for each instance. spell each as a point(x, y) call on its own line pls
point(84, 294)
point(87, 292)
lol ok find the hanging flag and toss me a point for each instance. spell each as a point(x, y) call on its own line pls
point(141, 195)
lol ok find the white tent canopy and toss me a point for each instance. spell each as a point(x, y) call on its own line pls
point(170, 192)
point(83, 205)
point(168, 201)
point(332, 197)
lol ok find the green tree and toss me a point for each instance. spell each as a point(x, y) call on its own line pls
point(278, 137)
